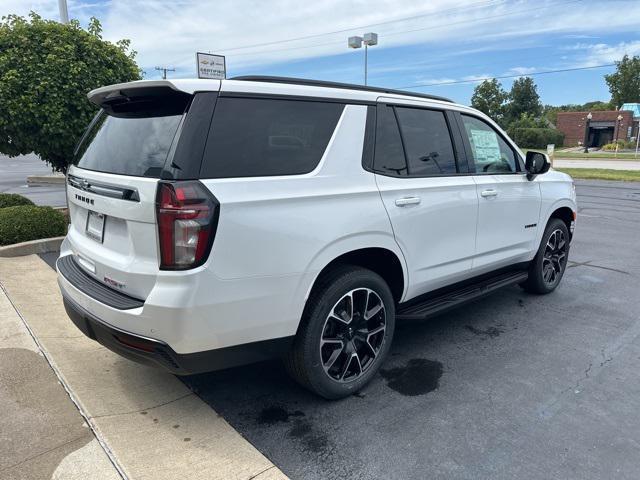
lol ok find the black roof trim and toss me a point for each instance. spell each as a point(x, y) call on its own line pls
point(346, 86)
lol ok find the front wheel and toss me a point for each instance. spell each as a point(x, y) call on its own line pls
point(345, 332)
point(548, 266)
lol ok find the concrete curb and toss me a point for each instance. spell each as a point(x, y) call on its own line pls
point(44, 245)
point(46, 179)
point(148, 423)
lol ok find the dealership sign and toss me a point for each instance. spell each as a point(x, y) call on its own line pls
point(211, 66)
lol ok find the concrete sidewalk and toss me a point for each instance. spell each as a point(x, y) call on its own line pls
point(42, 434)
point(150, 423)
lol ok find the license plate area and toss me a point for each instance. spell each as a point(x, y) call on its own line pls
point(95, 226)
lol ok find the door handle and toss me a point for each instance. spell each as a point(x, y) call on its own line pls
point(402, 202)
point(489, 193)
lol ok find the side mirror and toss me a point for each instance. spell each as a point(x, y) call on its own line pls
point(536, 164)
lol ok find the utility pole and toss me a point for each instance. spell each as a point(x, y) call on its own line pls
point(164, 71)
point(64, 13)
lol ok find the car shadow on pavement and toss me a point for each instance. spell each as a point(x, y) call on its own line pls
point(310, 437)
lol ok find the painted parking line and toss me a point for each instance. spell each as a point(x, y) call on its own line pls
point(151, 425)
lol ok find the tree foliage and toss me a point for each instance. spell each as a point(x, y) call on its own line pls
point(523, 99)
point(624, 84)
point(489, 97)
point(551, 111)
point(46, 70)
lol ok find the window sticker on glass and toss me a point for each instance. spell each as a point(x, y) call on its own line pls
point(485, 146)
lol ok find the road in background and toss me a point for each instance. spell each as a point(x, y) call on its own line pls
point(511, 386)
point(13, 179)
point(610, 164)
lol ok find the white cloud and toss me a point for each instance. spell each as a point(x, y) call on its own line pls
point(169, 32)
point(602, 53)
point(521, 71)
point(435, 81)
point(476, 78)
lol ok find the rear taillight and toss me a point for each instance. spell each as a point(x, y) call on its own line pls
point(187, 215)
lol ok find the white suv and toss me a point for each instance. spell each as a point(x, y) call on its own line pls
point(215, 223)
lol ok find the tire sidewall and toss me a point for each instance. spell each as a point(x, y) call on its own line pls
point(316, 316)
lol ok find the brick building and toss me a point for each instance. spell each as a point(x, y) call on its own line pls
point(604, 127)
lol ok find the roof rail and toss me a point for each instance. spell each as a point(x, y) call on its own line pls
point(346, 86)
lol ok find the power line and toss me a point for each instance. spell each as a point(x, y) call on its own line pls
point(412, 17)
point(402, 32)
point(455, 82)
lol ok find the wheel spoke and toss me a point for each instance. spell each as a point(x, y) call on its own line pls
point(373, 311)
point(561, 243)
point(551, 243)
point(375, 331)
point(547, 272)
point(343, 310)
point(333, 357)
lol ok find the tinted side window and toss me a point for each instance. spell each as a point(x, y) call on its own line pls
point(389, 154)
point(259, 137)
point(427, 142)
point(489, 152)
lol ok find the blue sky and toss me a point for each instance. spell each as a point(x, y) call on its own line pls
point(435, 43)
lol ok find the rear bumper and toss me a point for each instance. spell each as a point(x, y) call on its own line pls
point(155, 353)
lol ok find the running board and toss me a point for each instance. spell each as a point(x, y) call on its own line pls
point(438, 303)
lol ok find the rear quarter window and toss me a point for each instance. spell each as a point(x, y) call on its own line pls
point(252, 137)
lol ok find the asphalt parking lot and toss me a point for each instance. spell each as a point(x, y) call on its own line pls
point(511, 386)
point(13, 179)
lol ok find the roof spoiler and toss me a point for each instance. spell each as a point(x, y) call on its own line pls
point(134, 99)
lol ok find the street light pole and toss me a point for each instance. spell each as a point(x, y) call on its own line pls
point(586, 133)
point(64, 13)
point(366, 51)
point(369, 39)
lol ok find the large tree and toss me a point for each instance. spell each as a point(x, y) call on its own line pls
point(624, 84)
point(489, 97)
point(523, 99)
point(46, 70)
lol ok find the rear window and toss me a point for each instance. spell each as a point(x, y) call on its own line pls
point(252, 137)
point(136, 146)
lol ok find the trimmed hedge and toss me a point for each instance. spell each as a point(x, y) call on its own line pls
point(536, 137)
point(29, 222)
point(13, 200)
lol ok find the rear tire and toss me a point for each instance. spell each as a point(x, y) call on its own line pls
point(548, 266)
point(345, 332)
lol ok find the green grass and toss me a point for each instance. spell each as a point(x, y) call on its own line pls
point(587, 156)
point(602, 174)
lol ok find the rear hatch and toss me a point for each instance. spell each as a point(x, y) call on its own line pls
point(112, 185)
